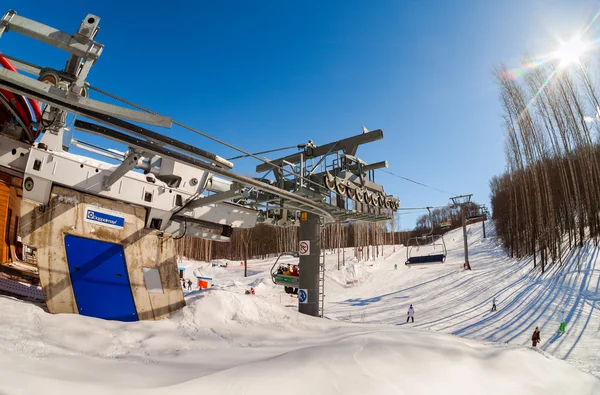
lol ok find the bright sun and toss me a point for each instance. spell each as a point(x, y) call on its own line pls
point(570, 52)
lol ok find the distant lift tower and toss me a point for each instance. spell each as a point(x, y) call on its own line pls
point(462, 201)
point(333, 177)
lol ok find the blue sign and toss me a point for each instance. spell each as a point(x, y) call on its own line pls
point(104, 217)
point(302, 296)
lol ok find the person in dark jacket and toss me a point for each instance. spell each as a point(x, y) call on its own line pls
point(189, 283)
point(535, 338)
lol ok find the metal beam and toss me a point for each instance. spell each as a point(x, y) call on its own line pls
point(199, 222)
point(374, 166)
point(215, 198)
point(34, 89)
point(348, 146)
point(131, 161)
point(192, 229)
point(97, 150)
point(87, 49)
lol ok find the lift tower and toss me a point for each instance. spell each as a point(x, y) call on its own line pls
point(330, 175)
point(462, 201)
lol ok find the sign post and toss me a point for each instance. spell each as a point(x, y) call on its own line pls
point(310, 252)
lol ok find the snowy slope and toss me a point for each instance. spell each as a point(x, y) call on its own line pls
point(450, 300)
point(226, 342)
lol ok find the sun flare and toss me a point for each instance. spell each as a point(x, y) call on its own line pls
point(570, 52)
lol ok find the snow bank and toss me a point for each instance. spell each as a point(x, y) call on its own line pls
point(227, 343)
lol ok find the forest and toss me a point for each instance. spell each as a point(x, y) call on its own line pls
point(547, 201)
point(366, 239)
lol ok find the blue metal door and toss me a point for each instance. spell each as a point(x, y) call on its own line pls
point(99, 277)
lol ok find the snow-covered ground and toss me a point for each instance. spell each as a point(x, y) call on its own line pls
point(225, 342)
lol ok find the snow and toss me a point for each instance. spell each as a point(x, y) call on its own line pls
point(226, 342)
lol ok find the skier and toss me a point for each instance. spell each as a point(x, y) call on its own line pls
point(189, 284)
point(183, 282)
point(563, 323)
point(395, 266)
point(535, 338)
point(252, 290)
point(493, 304)
point(410, 314)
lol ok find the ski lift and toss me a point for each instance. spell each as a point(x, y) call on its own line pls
point(476, 217)
point(284, 279)
point(430, 241)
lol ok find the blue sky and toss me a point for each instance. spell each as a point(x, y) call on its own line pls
point(266, 74)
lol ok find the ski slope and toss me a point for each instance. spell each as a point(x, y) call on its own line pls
point(225, 342)
point(450, 300)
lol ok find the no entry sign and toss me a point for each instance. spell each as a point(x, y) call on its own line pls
point(305, 247)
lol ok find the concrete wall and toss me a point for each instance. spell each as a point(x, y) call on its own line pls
point(46, 230)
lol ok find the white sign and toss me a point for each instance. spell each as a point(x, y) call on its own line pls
point(305, 247)
point(104, 217)
point(302, 296)
point(152, 279)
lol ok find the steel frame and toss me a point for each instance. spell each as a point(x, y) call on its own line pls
point(177, 174)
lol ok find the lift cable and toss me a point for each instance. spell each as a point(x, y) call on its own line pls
point(417, 182)
point(410, 212)
point(264, 152)
point(421, 208)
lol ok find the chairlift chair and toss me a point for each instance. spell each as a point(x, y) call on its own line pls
point(282, 279)
point(426, 240)
point(476, 218)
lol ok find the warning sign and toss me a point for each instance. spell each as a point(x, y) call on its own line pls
point(304, 216)
point(305, 247)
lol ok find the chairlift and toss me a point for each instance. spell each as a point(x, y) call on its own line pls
point(283, 279)
point(473, 219)
point(479, 216)
point(430, 241)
